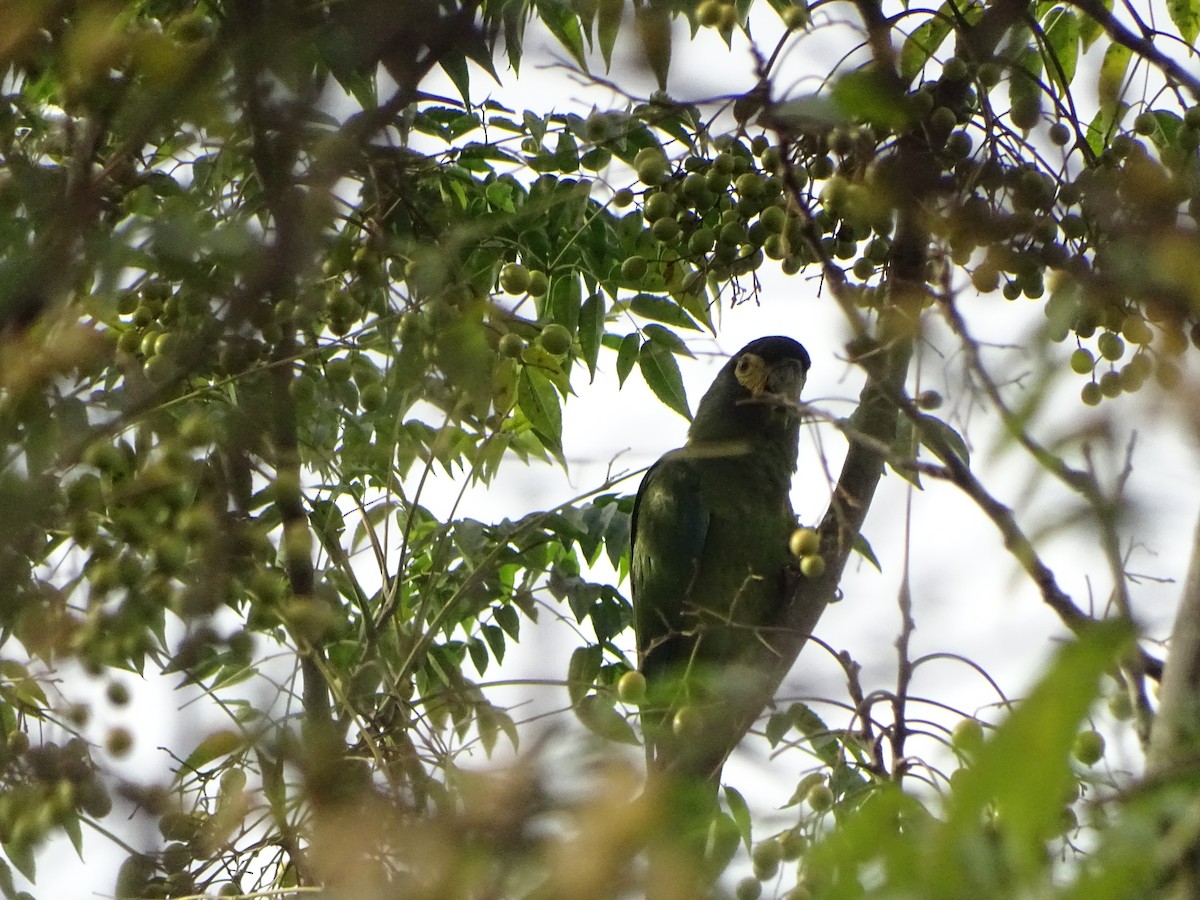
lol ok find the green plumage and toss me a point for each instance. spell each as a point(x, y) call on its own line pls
point(710, 552)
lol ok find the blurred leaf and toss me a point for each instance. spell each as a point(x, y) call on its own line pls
point(869, 96)
point(562, 22)
point(1186, 16)
point(599, 715)
point(1111, 84)
point(653, 23)
point(20, 853)
point(608, 26)
point(582, 670)
point(1062, 37)
point(739, 811)
point(1027, 758)
point(1090, 27)
point(925, 40)
point(214, 746)
point(943, 440)
point(6, 881)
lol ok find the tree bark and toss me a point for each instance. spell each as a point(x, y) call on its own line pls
point(1173, 758)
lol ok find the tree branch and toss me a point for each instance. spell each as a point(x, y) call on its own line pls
point(1175, 736)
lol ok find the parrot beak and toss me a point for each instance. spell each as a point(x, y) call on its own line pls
point(786, 380)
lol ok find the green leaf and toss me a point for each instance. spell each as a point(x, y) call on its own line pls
point(6, 881)
point(806, 112)
point(591, 331)
point(1186, 16)
point(654, 32)
point(943, 440)
point(21, 855)
point(722, 843)
point(925, 41)
point(662, 309)
point(661, 372)
point(867, 95)
point(70, 824)
point(455, 66)
point(494, 636)
point(863, 548)
point(562, 22)
point(1062, 40)
point(739, 811)
point(540, 404)
point(669, 339)
point(1167, 132)
point(627, 355)
point(1090, 28)
point(582, 671)
point(608, 25)
point(566, 298)
point(508, 619)
point(1111, 84)
point(598, 714)
point(778, 724)
point(214, 746)
point(491, 721)
point(813, 727)
point(478, 652)
point(1103, 125)
point(274, 787)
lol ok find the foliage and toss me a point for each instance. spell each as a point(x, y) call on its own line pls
point(259, 287)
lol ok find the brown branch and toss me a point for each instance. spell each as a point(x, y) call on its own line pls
point(1175, 737)
point(1174, 747)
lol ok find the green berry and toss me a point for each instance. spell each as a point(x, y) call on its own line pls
point(634, 268)
point(804, 542)
point(1060, 134)
point(819, 797)
point(514, 278)
point(658, 205)
point(511, 346)
point(1111, 346)
point(687, 723)
point(651, 166)
point(539, 283)
point(631, 688)
point(1088, 747)
point(1082, 361)
point(812, 566)
point(556, 339)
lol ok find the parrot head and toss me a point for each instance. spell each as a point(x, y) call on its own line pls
point(756, 393)
point(772, 368)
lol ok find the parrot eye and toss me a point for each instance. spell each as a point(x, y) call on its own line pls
point(743, 365)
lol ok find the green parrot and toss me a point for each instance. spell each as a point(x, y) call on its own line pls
point(710, 559)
